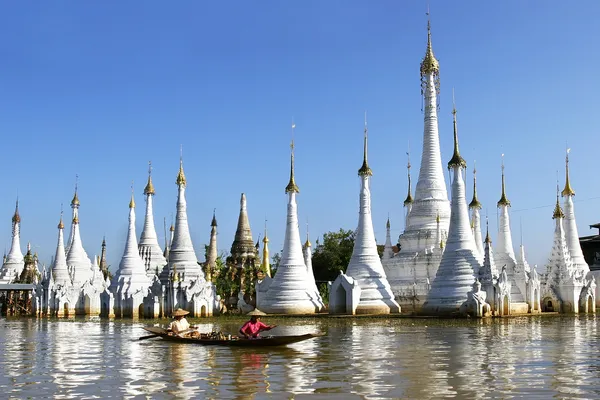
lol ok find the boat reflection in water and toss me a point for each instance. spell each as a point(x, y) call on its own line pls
point(543, 357)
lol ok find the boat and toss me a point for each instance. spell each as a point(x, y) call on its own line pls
point(217, 339)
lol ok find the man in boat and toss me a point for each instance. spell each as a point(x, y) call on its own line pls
point(180, 326)
point(252, 328)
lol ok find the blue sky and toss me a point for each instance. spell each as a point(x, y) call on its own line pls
point(100, 88)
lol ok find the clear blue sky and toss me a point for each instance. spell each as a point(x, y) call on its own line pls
point(99, 88)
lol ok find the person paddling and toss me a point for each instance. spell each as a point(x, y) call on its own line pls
point(179, 325)
point(252, 328)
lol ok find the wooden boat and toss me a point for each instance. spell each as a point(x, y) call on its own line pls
point(264, 341)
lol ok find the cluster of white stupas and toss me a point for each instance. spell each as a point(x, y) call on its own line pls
point(444, 265)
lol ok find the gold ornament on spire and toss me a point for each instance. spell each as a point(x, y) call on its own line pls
point(456, 161)
point(487, 231)
point(568, 190)
point(503, 199)
point(307, 243)
point(364, 169)
point(429, 64)
point(132, 201)
point(16, 218)
point(181, 176)
point(60, 223)
point(558, 212)
point(409, 198)
point(75, 201)
point(475, 202)
point(149, 189)
point(291, 186)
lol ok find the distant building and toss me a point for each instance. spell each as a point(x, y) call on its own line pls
point(590, 245)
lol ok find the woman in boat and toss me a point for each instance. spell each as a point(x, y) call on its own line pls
point(179, 324)
point(252, 328)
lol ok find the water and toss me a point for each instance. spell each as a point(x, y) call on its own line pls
point(537, 357)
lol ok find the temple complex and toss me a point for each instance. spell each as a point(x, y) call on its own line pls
point(289, 291)
point(370, 292)
point(149, 249)
point(460, 263)
point(411, 271)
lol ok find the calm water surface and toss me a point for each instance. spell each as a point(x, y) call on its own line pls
point(539, 357)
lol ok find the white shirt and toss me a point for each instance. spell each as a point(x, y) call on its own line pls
point(178, 326)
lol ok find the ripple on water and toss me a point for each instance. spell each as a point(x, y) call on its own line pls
point(539, 357)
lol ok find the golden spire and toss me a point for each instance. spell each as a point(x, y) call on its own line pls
point(503, 199)
point(149, 189)
point(475, 202)
point(568, 190)
point(75, 201)
point(487, 231)
point(181, 176)
point(291, 186)
point(409, 198)
point(364, 169)
point(16, 217)
point(456, 160)
point(558, 212)
point(307, 243)
point(430, 64)
point(266, 265)
point(265, 239)
point(60, 223)
point(132, 201)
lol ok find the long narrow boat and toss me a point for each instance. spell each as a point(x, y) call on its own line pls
point(265, 341)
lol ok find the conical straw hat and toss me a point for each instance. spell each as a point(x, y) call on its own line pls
point(180, 312)
point(256, 312)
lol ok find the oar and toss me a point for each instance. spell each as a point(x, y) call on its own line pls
point(148, 337)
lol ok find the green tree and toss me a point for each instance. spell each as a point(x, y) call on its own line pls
point(333, 255)
point(224, 278)
point(275, 260)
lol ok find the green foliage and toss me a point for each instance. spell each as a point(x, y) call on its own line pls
point(333, 255)
point(225, 278)
point(275, 260)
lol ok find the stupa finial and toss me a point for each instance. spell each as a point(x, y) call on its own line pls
point(181, 176)
point(291, 186)
point(503, 199)
point(558, 212)
point(409, 198)
point(364, 169)
point(456, 160)
point(475, 202)
point(568, 190)
point(149, 189)
point(132, 201)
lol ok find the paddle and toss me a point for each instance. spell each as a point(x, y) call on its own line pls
point(148, 337)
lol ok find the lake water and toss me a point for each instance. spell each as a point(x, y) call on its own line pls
point(533, 357)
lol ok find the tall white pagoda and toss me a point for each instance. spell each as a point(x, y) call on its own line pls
point(475, 206)
point(13, 262)
point(290, 291)
point(365, 269)
point(411, 270)
point(130, 284)
point(460, 261)
point(149, 249)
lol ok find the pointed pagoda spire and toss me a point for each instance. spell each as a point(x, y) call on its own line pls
point(365, 266)
point(148, 247)
point(503, 199)
point(211, 256)
point(14, 262)
point(409, 197)
point(570, 225)
point(291, 186)
point(460, 260)
point(59, 268)
point(309, 267)
point(364, 169)
point(242, 247)
point(430, 65)
point(75, 214)
point(475, 201)
point(289, 292)
point(489, 269)
point(266, 264)
point(102, 263)
point(388, 251)
point(475, 206)
point(558, 212)
point(182, 251)
point(568, 190)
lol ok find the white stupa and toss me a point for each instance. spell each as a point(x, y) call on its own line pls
point(460, 260)
point(14, 262)
point(312, 284)
point(388, 250)
point(290, 291)
point(475, 206)
point(130, 284)
point(365, 267)
point(149, 249)
point(78, 262)
point(411, 270)
point(181, 254)
point(505, 254)
point(570, 225)
point(60, 270)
